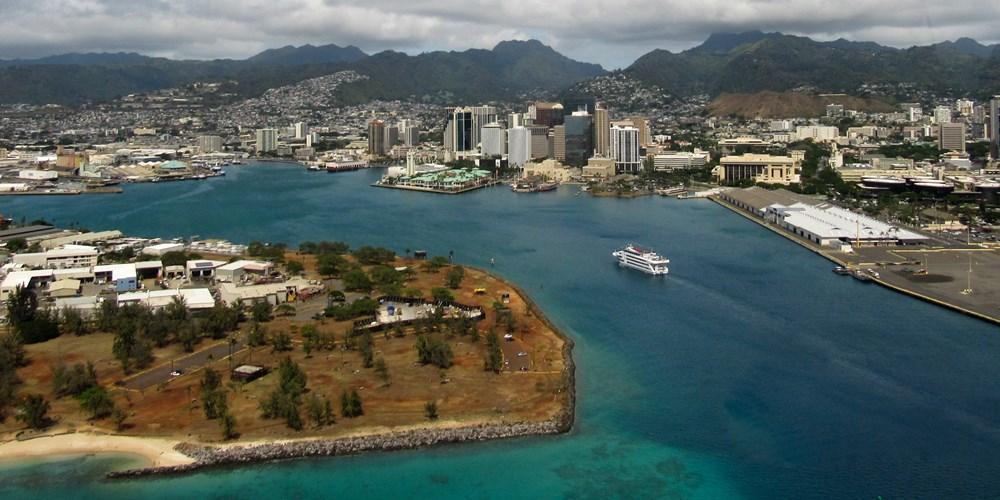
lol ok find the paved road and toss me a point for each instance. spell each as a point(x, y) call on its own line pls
point(187, 364)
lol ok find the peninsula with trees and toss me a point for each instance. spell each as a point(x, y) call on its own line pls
point(322, 350)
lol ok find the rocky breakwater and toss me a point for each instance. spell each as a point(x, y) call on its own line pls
point(210, 456)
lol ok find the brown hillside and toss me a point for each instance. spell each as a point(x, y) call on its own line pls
point(769, 104)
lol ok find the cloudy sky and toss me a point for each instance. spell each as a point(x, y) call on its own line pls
point(612, 33)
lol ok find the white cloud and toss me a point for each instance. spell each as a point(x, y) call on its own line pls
point(612, 33)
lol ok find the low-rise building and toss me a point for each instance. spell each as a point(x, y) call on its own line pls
point(757, 168)
point(598, 169)
point(274, 293)
point(196, 299)
point(69, 256)
point(551, 170)
point(235, 272)
point(680, 160)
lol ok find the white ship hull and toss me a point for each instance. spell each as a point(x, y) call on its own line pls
point(645, 261)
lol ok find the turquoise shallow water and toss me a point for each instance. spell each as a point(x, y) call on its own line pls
point(752, 371)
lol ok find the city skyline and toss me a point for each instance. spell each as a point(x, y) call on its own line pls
point(190, 30)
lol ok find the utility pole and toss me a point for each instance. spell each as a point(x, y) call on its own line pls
point(968, 288)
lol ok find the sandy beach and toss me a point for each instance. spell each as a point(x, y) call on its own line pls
point(159, 452)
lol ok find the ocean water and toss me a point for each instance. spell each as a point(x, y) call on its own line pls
point(752, 371)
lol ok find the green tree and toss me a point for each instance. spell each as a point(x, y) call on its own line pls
point(97, 402)
point(435, 352)
point(374, 255)
point(33, 411)
point(16, 245)
point(367, 348)
point(228, 423)
point(281, 342)
point(118, 417)
point(71, 321)
point(213, 397)
point(350, 404)
point(494, 353)
point(442, 295)
point(330, 264)
point(320, 411)
point(435, 264)
point(431, 410)
point(262, 311)
point(294, 267)
point(356, 280)
point(256, 334)
point(382, 371)
point(455, 276)
point(73, 381)
point(221, 319)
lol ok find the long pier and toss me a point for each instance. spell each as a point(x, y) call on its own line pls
point(942, 301)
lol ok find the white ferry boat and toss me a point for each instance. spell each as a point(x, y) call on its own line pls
point(642, 259)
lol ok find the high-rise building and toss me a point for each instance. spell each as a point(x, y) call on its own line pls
point(301, 130)
point(579, 138)
point(573, 104)
point(642, 123)
point(376, 138)
point(995, 128)
point(411, 136)
point(493, 140)
point(965, 106)
point(465, 127)
point(540, 142)
point(548, 114)
point(942, 114)
point(951, 137)
point(559, 142)
point(209, 144)
point(481, 115)
point(913, 111)
point(515, 120)
point(449, 134)
point(267, 140)
point(391, 137)
point(625, 149)
point(518, 146)
point(602, 132)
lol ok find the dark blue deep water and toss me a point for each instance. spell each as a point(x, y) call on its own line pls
point(752, 371)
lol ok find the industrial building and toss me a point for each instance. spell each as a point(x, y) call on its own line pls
point(69, 256)
point(816, 220)
point(241, 270)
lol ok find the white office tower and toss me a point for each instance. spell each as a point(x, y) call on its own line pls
point(942, 114)
point(481, 115)
point(625, 149)
point(301, 130)
point(518, 146)
point(494, 141)
point(515, 120)
point(449, 136)
point(411, 163)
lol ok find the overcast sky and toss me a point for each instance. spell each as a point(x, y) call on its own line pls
point(610, 32)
